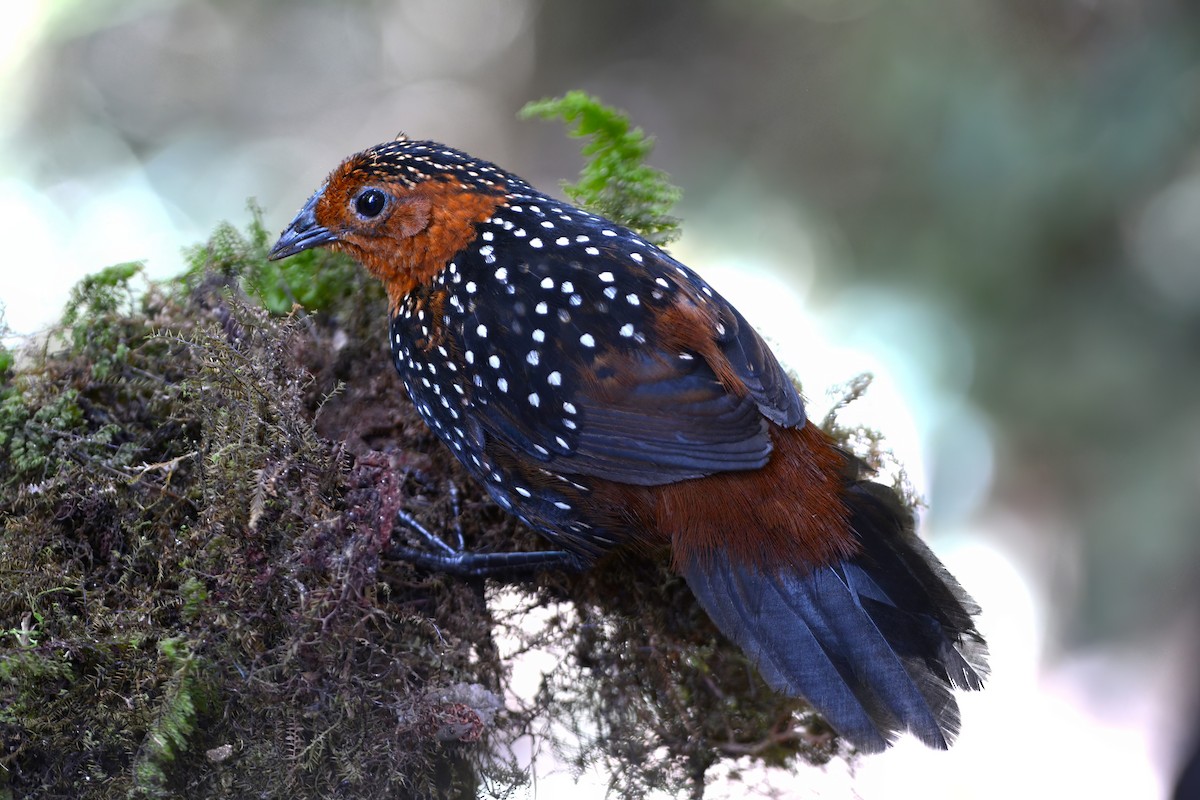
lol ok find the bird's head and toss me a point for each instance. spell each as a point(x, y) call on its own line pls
point(402, 209)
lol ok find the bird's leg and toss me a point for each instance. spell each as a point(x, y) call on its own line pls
point(455, 560)
point(460, 543)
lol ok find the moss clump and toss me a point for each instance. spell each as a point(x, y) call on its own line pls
point(192, 602)
point(615, 182)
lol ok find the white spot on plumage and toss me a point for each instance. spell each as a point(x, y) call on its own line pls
point(533, 357)
point(591, 251)
point(502, 384)
point(547, 283)
point(587, 340)
point(627, 330)
point(494, 360)
point(606, 276)
point(534, 400)
point(554, 378)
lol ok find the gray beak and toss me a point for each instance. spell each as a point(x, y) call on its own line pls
point(303, 233)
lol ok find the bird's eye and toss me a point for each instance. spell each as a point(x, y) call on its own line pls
point(370, 203)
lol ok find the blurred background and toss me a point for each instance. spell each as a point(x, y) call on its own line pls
point(993, 206)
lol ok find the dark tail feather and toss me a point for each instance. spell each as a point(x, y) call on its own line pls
point(875, 643)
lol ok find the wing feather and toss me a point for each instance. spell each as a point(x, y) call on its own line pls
point(638, 404)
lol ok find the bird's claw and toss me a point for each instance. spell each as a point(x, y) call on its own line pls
point(457, 561)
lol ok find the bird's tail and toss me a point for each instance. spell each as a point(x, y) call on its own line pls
point(876, 642)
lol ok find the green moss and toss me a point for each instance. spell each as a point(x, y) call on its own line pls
point(193, 595)
point(615, 182)
point(100, 294)
point(311, 280)
point(173, 719)
point(33, 438)
point(187, 566)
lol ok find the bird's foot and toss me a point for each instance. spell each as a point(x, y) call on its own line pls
point(454, 559)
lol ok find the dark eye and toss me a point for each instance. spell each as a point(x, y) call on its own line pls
point(370, 203)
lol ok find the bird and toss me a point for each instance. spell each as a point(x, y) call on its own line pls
point(607, 396)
